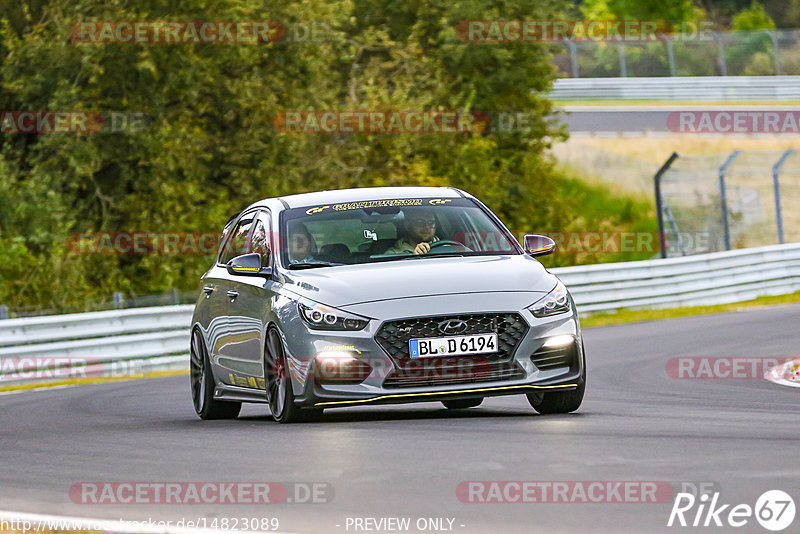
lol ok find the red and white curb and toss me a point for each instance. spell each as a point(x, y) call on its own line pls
point(786, 374)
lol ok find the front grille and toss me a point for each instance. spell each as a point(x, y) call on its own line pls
point(545, 358)
point(393, 337)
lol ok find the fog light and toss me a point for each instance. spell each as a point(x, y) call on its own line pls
point(335, 355)
point(341, 367)
point(558, 341)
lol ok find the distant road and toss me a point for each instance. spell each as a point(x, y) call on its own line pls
point(635, 119)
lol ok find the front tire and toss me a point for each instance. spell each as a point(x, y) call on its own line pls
point(277, 377)
point(203, 385)
point(559, 401)
point(462, 404)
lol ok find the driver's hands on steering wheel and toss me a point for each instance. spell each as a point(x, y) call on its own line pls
point(422, 248)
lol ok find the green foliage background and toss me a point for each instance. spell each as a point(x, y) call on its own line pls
point(210, 147)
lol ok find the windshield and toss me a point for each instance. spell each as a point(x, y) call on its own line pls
point(388, 230)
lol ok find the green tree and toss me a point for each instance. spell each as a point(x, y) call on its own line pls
point(210, 148)
point(754, 17)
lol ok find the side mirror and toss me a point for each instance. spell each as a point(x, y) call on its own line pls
point(538, 245)
point(248, 265)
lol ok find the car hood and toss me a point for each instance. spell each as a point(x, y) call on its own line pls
point(347, 285)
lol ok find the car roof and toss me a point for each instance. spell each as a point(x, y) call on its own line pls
point(359, 194)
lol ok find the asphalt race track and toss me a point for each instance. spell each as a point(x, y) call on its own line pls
point(636, 424)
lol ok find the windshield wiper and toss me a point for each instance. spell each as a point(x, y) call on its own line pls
point(312, 265)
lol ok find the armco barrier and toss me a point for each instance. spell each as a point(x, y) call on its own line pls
point(144, 338)
point(160, 336)
point(688, 88)
point(704, 279)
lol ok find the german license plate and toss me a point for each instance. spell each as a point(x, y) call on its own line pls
point(453, 346)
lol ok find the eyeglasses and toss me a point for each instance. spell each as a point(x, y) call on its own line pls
point(422, 222)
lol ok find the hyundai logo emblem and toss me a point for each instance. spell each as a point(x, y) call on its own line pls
point(452, 326)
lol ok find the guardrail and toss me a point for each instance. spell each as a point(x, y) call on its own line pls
point(106, 343)
point(703, 279)
point(689, 88)
point(153, 338)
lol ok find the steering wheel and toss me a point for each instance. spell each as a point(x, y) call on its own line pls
point(451, 243)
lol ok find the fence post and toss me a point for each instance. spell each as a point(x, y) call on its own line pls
point(118, 300)
point(776, 169)
point(3, 312)
point(723, 198)
point(775, 50)
point(671, 57)
point(723, 64)
point(662, 238)
point(573, 56)
point(623, 66)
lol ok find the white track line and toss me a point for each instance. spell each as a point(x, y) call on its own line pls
point(45, 523)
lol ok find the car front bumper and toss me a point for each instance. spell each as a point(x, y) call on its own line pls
point(537, 367)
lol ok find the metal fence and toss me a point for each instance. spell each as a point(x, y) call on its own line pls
point(158, 338)
point(742, 53)
point(728, 201)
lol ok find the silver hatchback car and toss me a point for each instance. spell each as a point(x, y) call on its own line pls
point(380, 295)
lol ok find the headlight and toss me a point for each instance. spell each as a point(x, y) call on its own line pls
point(321, 317)
point(555, 302)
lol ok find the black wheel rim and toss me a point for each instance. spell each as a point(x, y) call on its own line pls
point(197, 371)
point(276, 375)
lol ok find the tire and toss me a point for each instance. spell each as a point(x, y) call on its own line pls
point(462, 404)
point(203, 385)
point(280, 393)
point(559, 401)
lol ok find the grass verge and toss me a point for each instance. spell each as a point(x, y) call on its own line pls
point(81, 381)
point(637, 316)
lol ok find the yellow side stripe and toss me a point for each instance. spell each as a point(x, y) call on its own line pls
point(541, 248)
point(458, 391)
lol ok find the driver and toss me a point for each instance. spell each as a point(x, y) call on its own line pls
point(301, 244)
point(420, 232)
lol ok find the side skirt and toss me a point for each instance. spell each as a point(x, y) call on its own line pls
point(226, 392)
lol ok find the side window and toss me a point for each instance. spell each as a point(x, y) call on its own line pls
point(260, 241)
point(236, 244)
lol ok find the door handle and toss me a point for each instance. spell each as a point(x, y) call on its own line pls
point(233, 294)
point(208, 290)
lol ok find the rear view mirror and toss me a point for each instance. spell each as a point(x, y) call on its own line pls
point(248, 265)
point(538, 245)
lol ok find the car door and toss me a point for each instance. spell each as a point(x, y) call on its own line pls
point(227, 333)
point(248, 309)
